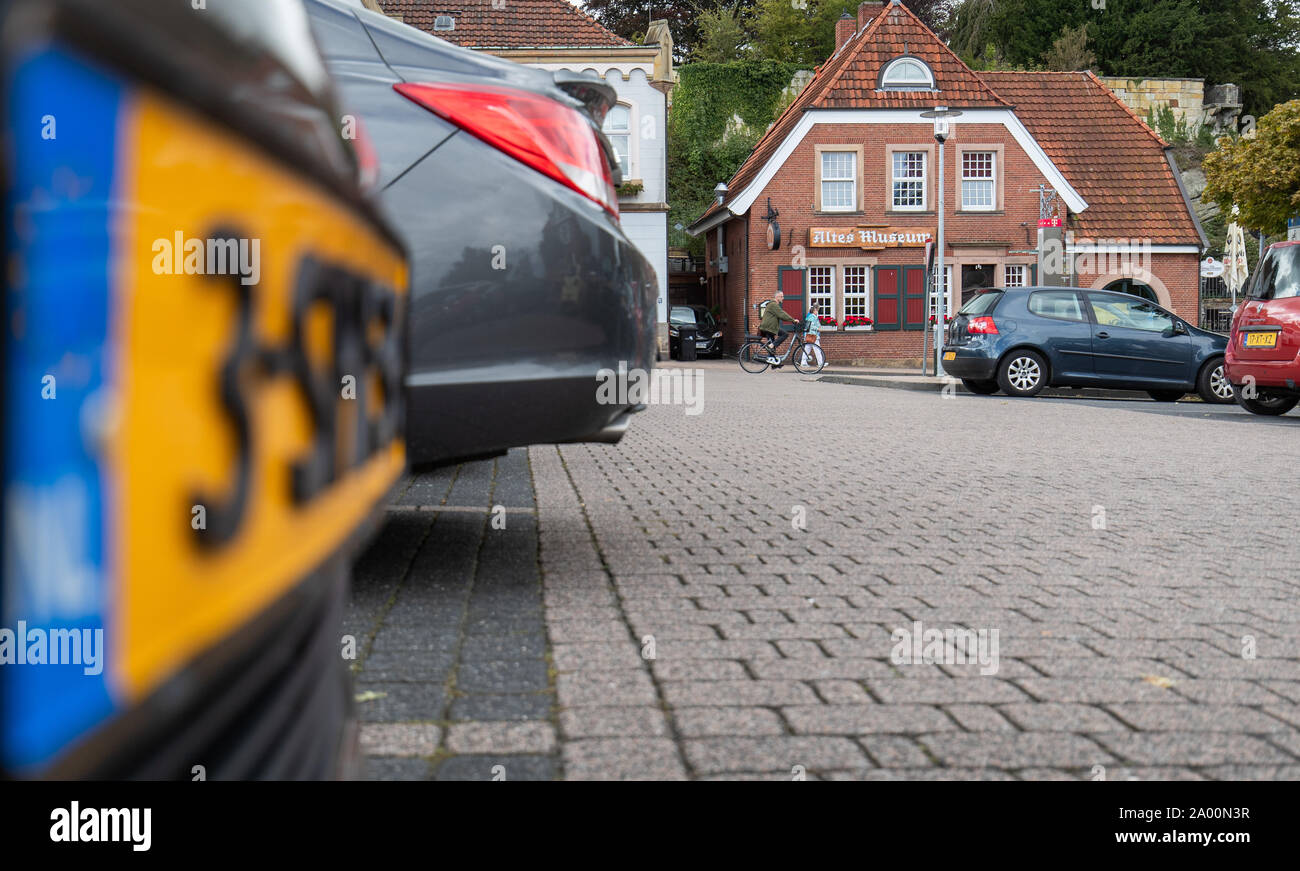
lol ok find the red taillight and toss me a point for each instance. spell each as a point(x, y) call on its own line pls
point(367, 160)
point(982, 326)
point(548, 136)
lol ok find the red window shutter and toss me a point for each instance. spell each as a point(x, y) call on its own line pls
point(914, 298)
point(791, 280)
point(887, 308)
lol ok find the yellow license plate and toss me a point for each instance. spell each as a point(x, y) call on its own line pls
point(950, 355)
point(249, 441)
point(1261, 340)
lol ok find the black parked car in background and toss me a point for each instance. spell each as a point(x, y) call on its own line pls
point(1024, 339)
point(523, 283)
point(708, 332)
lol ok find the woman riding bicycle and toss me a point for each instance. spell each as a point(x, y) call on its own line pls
point(771, 327)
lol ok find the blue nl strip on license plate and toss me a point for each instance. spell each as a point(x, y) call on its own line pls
point(62, 118)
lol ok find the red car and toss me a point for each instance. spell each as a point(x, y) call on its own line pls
point(1263, 355)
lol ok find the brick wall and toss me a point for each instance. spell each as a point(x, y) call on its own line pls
point(990, 239)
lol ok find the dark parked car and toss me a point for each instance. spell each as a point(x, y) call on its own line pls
point(708, 333)
point(523, 283)
point(194, 267)
point(1264, 348)
point(1024, 339)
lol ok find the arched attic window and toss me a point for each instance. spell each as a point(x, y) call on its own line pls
point(907, 74)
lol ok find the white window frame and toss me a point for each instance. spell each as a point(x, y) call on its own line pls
point(951, 308)
point(991, 181)
point(629, 171)
point(864, 294)
point(1006, 274)
point(911, 84)
point(828, 294)
point(851, 178)
point(895, 179)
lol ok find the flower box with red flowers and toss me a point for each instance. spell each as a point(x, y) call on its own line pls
point(828, 323)
point(858, 322)
point(946, 319)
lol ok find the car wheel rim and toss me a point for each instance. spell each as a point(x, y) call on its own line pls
point(1220, 386)
point(1023, 373)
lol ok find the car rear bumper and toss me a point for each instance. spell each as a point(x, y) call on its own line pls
point(968, 363)
point(1277, 374)
point(523, 292)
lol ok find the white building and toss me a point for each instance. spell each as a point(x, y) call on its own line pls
point(556, 35)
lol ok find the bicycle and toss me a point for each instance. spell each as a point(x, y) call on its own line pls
point(809, 358)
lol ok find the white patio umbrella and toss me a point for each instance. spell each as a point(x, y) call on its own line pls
point(1234, 259)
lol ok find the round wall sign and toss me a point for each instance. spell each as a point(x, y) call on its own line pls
point(773, 235)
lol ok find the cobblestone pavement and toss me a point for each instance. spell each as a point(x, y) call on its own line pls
point(717, 596)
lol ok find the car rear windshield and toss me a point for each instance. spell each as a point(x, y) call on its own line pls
point(982, 304)
point(1278, 276)
point(690, 317)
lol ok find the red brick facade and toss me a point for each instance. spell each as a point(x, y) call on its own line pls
point(1128, 175)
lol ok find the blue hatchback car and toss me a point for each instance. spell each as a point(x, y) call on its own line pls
point(1020, 340)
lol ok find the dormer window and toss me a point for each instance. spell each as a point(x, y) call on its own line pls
point(907, 74)
point(444, 22)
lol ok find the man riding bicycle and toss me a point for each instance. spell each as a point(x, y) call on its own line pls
point(771, 327)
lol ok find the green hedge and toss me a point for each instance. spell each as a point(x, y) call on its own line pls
point(705, 144)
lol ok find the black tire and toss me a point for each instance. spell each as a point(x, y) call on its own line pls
point(1213, 386)
point(983, 388)
point(753, 357)
point(1166, 395)
point(1022, 373)
point(809, 359)
point(1268, 404)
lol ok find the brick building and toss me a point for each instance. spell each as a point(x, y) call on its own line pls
point(848, 174)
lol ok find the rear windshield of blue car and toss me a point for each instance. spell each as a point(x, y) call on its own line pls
point(1278, 276)
point(981, 304)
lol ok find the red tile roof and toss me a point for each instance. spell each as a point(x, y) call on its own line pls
point(519, 24)
point(848, 81)
point(1106, 153)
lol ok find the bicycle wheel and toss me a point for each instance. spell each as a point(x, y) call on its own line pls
point(753, 357)
point(809, 359)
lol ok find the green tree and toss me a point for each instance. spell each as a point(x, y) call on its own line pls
point(722, 36)
point(719, 113)
point(1260, 175)
point(1070, 51)
point(1253, 43)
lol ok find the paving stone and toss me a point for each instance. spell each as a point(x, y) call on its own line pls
point(1057, 717)
point(396, 768)
point(1191, 748)
point(508, 676)
point(746, 692)
point(622, 759)
point(695, 722)
point(617, 687)
point(1015, 750)
point(502, 706)
point(866, 719)
point(613, 722)
point(400, 702)
point(399, 739)
point(507, 737)
point(497, 768)
point(717, 755)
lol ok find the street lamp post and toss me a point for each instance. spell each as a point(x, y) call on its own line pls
point(940, 114)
